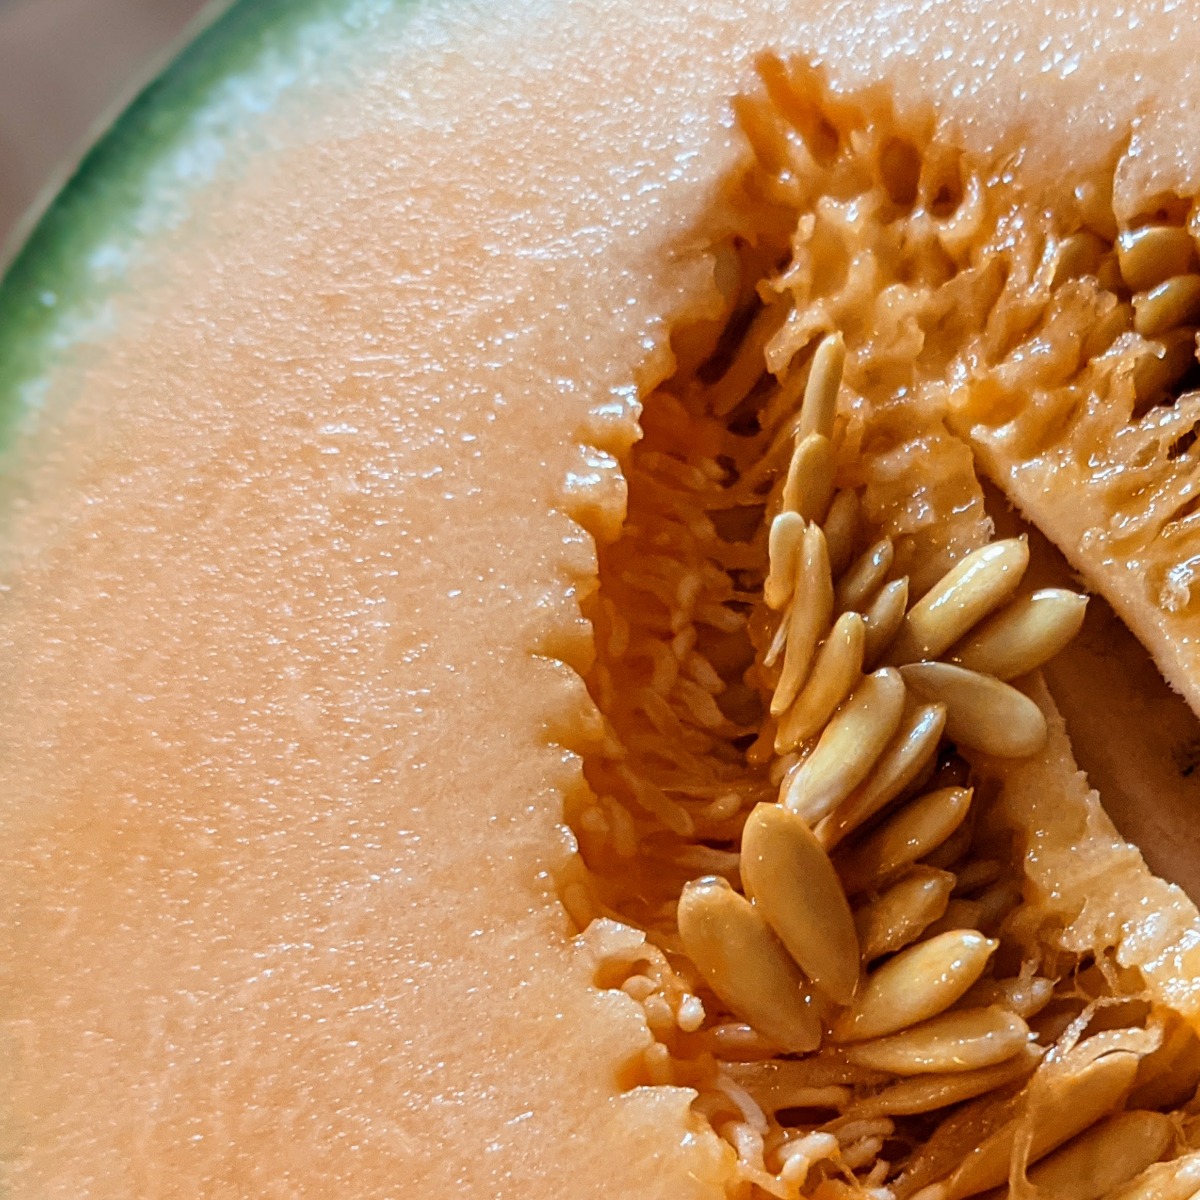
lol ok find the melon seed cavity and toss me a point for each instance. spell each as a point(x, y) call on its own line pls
point(816, 666)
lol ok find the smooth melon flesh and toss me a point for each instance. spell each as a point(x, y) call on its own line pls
point(327, 364)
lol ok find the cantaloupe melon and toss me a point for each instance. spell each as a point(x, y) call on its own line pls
point(396, 403)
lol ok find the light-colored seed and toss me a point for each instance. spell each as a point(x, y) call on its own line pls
point(967, 593)
point(959, 914)
point(864, 576)
point(957, 1041)
point(841, 529)
point(928, 1093)
point(1023, 636)
point(1167, 306)
point(789, 877)
point(745, 964)
point(884, 616)
point(949, 855)
point(1175, 1180)
point(1154, 253)
point(916, 985)
point(820, 393)
point(981, 712)
point(1062, 1100)
point(1106, 1157)
point(783, 553)
point(902, 913)
point(846, 751)
point(910, 751)
point(835, 673)
point(1026, 995)
point(808, 617)
point(809, 484)
point(908, 835)
point(1078, 255)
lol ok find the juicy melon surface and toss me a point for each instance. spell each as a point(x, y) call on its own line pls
point(293, 553)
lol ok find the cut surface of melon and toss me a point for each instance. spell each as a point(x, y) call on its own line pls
point(321, 377)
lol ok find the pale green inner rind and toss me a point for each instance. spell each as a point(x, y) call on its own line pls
point(138, 178)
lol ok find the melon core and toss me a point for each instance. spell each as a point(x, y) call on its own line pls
point(320, 380)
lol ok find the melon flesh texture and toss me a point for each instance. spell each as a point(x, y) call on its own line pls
point(326, 417)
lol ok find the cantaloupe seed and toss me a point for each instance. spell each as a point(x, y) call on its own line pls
point(795, 470)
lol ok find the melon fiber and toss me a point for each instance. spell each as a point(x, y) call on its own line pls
point(397, 402)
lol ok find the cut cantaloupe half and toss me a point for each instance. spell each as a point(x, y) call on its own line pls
point(350, 789)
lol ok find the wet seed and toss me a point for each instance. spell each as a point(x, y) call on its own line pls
point(903, 912)
point(1176, 1180)
point(865, 576)
point(1165, 307)
point(908, 754)
point(966, 594)
point(1154, 253)
point(1078, 255)
point(836, 671)
point(884, 616)
point(905, 837)
point(968, 1040)
point(1023, 636)
point(841, 530)
point(916, 985)
point(808, 618)
point(1024, 995)
point(793, 884)
point(819, 406)
point(783, 550)
point(809, 484)
point(981, 712)
point(928, 1093)
point(852, 741)
point(743, 961)
point(1104, 1158)
point(1063, 1100)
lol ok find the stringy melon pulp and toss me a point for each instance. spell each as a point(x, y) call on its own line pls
point(961, 298)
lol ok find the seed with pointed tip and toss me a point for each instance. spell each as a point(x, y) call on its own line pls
point(966, 594)
point(1060, 1104)
point(1104, 1158)
point(956, 1041)
point(864, 576)
point(906, 836)
point(848, 748)
point(915, 985)
point(928, 1093)
point(793, 884)
point(808, 618)
point(909, 752)
point(819, 406)
point(901, 914)
point(808, 488)
point(1023, 636)
point(884, 616)
point(981, 712)
point(783, 553)
point(835, 673)
point(743, 961)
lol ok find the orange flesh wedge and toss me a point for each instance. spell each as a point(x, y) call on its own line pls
point(293, 552)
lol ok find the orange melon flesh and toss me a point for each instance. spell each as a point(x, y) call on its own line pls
point(292, 576)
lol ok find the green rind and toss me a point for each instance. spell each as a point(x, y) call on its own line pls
point(54, 286)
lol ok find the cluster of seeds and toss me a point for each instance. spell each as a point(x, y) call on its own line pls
point(795, 856)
